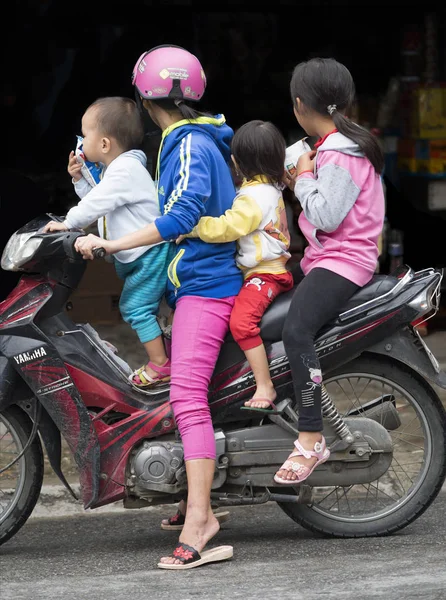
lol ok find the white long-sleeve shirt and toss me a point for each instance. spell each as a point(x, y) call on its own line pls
point(122, 202)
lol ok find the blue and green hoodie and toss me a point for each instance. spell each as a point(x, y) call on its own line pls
point(195, 181)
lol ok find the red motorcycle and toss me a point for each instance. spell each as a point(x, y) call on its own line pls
point(383, 421)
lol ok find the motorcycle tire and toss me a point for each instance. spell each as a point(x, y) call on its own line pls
point(31, 472)
point(405, 512)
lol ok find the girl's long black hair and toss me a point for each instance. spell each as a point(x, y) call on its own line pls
point(326, 86)
point(259, 148)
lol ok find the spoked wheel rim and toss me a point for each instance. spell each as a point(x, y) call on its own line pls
point(12, 480)
point(412, 452)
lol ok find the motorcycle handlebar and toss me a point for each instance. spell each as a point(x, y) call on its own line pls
point(69, 242)
point(98, 253)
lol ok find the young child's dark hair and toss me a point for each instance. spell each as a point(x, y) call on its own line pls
point(326, 86)
point(259, 148)
point(119, 118)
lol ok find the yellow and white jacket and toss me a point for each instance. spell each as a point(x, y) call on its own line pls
point(257, 221)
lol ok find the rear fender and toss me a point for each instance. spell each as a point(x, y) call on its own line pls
point(408, 348)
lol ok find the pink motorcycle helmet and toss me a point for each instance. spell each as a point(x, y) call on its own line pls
point(169, 72)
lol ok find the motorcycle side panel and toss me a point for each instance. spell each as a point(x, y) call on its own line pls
point(24, 302)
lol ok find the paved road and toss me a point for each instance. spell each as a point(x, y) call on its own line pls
point(106, 557)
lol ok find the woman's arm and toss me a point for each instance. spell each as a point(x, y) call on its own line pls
point(192, 187)
point(146, 236)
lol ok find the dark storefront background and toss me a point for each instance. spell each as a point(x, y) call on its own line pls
point(59, 57)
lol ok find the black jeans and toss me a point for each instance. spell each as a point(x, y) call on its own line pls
point(318, 298)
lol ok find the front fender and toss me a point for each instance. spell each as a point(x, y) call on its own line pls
point(8, 381)
point(50, 436)
point(39, 365)
point(408, 348)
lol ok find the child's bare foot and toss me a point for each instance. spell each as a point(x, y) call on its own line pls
point(262, 395)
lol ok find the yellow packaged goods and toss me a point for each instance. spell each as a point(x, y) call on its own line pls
point(433, 166)
point(428, 115)
point(407, 165)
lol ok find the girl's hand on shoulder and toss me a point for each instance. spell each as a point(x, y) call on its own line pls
point(74, 168)
point(179, 239)
point(306, 162)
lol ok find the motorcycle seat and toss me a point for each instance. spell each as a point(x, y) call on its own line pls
point(274, 317)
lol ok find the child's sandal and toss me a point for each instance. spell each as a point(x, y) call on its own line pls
point(302, 472)
point(145, 380)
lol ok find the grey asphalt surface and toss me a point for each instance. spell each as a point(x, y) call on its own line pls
point(106, 557)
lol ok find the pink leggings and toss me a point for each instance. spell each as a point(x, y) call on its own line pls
point(199, 328)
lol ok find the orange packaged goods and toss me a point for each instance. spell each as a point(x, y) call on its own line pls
point(428, 114)
point(422, 156)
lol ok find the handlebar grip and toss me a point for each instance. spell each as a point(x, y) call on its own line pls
point(99, 253)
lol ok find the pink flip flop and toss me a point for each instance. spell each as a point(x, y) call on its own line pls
point(321, 452)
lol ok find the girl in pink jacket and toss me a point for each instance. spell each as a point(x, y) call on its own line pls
point(339, 188)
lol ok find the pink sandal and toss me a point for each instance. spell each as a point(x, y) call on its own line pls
point(321, 452)
point(145, 381)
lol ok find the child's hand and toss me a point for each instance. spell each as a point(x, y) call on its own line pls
point(179, 239)
point(306, 162)
point(54, 226)
point(289, 180)
point(74, 168)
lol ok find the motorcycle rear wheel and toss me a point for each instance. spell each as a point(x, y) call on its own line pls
point(418, 468)
point(20, 484)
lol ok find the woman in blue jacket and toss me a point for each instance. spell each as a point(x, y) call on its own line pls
point(194, 180)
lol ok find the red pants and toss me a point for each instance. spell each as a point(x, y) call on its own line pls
point(256, 295)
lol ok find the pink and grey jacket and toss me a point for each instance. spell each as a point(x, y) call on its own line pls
point(343, 210)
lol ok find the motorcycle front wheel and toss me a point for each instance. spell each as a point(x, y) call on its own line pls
point(418, 468)
point(20, 480)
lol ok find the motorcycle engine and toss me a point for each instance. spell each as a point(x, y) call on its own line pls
point(158, 466)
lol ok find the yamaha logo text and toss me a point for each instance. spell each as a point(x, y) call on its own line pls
point(27, 356)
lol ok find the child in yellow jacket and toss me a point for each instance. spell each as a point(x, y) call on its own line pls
point(257, 220)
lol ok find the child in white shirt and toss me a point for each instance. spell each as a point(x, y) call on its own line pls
point(123, 201)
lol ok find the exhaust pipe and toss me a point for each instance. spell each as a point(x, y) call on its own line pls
point(381, 410)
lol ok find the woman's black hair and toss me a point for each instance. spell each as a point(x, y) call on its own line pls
point(259, 148)
point(186, 109)
point(326, 86)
